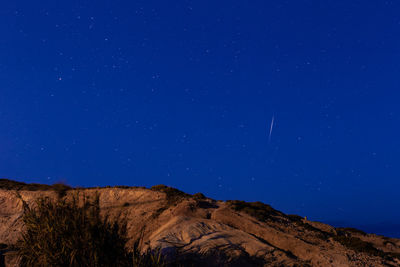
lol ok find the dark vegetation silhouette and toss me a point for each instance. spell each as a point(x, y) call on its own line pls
point(69, 231)
point(66, 233)
point(264, 212)
point(3, 248)
point(60, 188)
point(73, 233)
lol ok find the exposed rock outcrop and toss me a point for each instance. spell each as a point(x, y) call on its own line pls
point(217, 233)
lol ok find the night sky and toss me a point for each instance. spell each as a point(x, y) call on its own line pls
point(183, 93)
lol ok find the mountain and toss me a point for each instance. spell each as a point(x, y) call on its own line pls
point(212, 233)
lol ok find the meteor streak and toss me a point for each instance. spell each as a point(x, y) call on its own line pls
point(271, 128)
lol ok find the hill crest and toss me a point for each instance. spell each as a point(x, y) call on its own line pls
point(218, 233)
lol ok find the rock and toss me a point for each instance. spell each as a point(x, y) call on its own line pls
point(215, 233)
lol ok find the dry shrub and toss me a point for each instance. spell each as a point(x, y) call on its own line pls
point(66, 233)
point(73, 233)
point(258, 210)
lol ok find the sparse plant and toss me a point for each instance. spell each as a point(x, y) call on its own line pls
point(66, 233)
point(61, 189)
point(151, 258)
point(258, 210)
point(199, 196)
point(358, 245)
point(351, 230)
point(173, 195)
point(72, 233)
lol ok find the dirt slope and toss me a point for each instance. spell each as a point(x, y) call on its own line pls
point(218, 233)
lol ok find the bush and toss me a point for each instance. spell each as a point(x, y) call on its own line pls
point(351, 230)
point(61, 189)
point(173, 195)
point(14, 185)
point(199, 196)
point(66, 233)
point(149, 258)
point(358, 245)
point(258, 210)
point(61, 233)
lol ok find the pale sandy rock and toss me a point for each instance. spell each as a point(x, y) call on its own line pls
point(214, 230)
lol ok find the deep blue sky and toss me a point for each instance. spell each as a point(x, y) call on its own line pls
point(183, 92)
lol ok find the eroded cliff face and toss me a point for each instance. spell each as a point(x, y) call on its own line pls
point(216, 233)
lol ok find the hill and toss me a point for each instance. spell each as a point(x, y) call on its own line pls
point(213, 233)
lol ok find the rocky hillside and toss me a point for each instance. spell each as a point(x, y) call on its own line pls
point(216, 233)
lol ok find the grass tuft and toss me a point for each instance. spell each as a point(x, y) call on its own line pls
point(61, 233)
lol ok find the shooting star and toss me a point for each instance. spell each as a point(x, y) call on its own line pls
point(271, 128)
